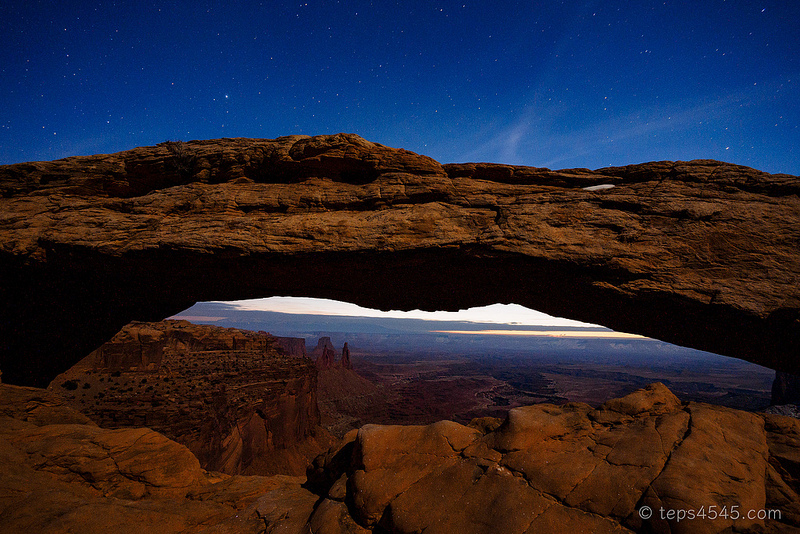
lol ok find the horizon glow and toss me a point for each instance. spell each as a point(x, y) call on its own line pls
point(546, 333)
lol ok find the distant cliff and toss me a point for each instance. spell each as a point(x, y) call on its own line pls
point(235, 398)
point(292, 346)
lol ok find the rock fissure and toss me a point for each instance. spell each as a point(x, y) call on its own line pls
point(588, 476)
point(664, 453)
point(685, 434)
point(556, 501)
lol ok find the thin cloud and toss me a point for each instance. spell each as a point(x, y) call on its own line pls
point(536, 137)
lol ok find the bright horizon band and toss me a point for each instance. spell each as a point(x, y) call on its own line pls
point(546, 333)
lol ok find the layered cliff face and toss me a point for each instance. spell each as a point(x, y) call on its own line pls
point(292, 346)
point(233, 397)
point(699, 253)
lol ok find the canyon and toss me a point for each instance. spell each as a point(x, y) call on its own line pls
point(702, 253)
point(242, 402)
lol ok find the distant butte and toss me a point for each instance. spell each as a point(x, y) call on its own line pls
point(702, 253)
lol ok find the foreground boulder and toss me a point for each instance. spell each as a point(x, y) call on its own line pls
point(699, 253)
point(643, 463)
point(60, 473)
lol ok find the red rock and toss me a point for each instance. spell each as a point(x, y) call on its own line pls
point(322, 344)
point(568, 469)
point(324, 354)
point(293, 346)
point(76, 477)
point(345, 361)
point(699, 253)
point(327, 359)
point(545, 469)
point(233, 397)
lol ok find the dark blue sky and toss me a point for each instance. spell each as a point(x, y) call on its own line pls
point(543, 83)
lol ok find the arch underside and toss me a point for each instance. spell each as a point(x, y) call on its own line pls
point(701, 254)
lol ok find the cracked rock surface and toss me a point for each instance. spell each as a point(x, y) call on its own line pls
point(568, 468)
point(700, 253)
point(545, 468)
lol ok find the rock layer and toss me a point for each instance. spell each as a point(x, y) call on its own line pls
point(233, 397)
point(700, 253)
point(568, 468)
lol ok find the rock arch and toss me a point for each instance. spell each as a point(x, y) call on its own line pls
point(702, 253)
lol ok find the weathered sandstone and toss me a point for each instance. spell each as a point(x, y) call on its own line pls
point(60, 473)
point(327, 359)
point(568, 468)
point(545, 468)
point(699, 253)
point(323, 344)
point(324, 355)
point(345, 361)
point(233, 397)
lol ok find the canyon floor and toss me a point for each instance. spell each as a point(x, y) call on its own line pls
point(417, 373)
point(425, 388)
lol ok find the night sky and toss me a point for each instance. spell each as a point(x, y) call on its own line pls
point(543, 83)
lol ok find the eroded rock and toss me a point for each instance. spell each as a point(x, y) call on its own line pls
point(570, 468)
point(556, 469)
point(235, 398)
point(699, 253)
point(76, 477)
point(345, 361)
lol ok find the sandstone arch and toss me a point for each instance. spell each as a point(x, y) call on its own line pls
point(702, 253)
